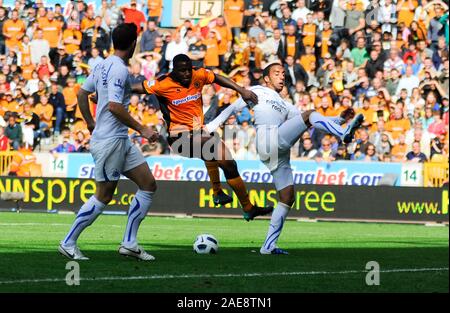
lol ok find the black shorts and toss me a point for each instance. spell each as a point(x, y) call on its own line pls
point(195, 144)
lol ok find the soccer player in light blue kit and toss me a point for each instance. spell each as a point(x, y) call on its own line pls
point(112, 150)
point(279, 126)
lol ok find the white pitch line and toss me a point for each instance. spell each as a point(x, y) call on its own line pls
point(155, 277)
point(44, 224)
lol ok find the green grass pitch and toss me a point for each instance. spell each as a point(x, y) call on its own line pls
point(325, 256)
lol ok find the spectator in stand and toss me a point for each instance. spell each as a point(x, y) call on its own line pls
point(175, 47)
point(14, 132)
point(133, 15)
point(24, 163)
point(56, 99)
point(234, 14)
point(154, 10)
point(44, 110)
point(325, 153)
point(96, 37)
point(4, 141)
point(416, 156)
point(438, 126)
point(308, 151)
point(52, 31)
point(31, 123)
point(45, 68)
point(149, 36)
point(64, 147)
point(70, 98)
point(39, 47)
point(3, 19)
point(13, 31)
point(95, 58)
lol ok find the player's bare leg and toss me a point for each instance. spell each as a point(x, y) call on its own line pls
point(234, 180)
point(143, 178)
point(85, 217)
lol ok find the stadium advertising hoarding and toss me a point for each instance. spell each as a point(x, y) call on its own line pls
point(382, 203)
point(253, 171)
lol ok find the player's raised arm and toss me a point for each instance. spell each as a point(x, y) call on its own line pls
point(247, 95)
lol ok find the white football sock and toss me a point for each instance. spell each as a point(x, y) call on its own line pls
point(276, 226)
point(326, 124)
point(85, 217)
point(137, 212)
point(337, 119)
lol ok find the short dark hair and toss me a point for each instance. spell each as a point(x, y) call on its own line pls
point(124, 35)
point(266, 71)
point(180, 58)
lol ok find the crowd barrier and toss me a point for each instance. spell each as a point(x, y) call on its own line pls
point(356, 203)
point(435, 174)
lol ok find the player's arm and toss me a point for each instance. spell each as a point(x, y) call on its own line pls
point(247, 95)
point(116, 91)
point(139, 88)
point(119, 111)
point(83, 102)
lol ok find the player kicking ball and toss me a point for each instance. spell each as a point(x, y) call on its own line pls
point(112, 150)
point(279, 125)
point(180, 97)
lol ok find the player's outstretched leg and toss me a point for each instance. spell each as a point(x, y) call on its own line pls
point(85, 217)
point(139, 207)
point(219, 197)
point(330, 126)
point(233, 108)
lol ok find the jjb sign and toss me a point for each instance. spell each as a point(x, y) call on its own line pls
point(196, 9)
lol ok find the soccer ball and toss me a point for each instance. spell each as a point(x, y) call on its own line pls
point(206, 244)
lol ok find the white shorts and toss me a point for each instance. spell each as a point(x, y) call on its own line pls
point(113, 157)
point(276, 157)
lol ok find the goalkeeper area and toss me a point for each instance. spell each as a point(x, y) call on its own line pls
point(324, 256)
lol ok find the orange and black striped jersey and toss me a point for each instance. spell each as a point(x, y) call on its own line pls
point(182, 107)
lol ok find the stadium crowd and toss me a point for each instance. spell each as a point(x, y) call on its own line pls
point(387, 59)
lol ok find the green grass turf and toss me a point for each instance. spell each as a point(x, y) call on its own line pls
point(28, 244)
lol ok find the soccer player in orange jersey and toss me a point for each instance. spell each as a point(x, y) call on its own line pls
point(180, 97)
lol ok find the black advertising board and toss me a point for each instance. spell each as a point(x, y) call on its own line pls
point(407, 204)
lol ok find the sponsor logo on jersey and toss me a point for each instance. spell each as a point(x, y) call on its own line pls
point(187, 99)
point(118, 83)
point(277, 106)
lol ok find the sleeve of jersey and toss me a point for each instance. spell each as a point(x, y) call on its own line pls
point(150, 86)
point(207, 76)
point(89, 84)
point(293, 111)
point(116, 85)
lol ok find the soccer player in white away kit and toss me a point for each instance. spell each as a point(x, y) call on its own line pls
point(112, 150)
point(278, 127)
